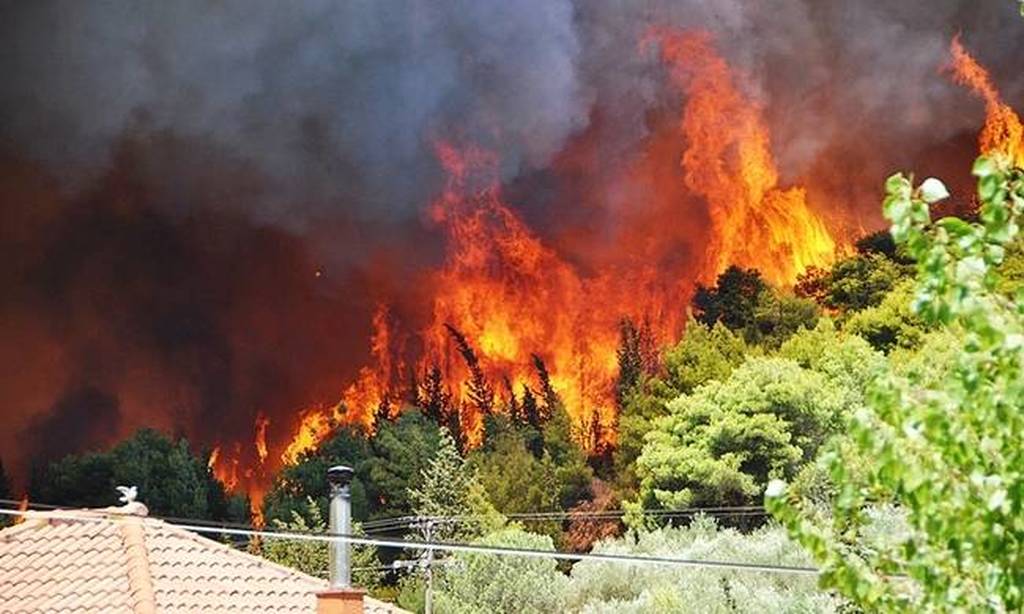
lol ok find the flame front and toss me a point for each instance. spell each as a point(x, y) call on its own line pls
point(1003, 132)
point(728, 160)
point(514, 295)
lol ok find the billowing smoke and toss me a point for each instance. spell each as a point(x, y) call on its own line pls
point(332, 103)
point(201, 201)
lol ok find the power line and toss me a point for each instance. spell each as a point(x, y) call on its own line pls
point(100, 516)
point(582, 514)
point(398, 523)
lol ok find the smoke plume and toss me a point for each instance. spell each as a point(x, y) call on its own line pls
point(204, 201)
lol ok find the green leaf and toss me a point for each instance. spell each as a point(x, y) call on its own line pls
point(988, 186)
point(955, 226)
point(983, 167)
point(895, 183)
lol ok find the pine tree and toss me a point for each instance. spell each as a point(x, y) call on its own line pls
point(515, 412)
point(630, 363)
point(551, 398)
point(448, 489)
point(480, 391)
point(650, 356)
point(384, 410)
point(532, 417)
point(531, 409)
point(637, 356)
point(434, 397)
point(415, 393)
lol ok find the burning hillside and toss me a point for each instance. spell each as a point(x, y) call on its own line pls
point(251, 244)
point(500, 281)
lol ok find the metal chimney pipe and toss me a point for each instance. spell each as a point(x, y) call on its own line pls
point(339, 477)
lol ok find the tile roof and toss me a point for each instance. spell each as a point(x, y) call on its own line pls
point(118, 560)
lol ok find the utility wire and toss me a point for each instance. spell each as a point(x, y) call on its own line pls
point(403, 525)
point(573, 515)
point(112, 517)
point(398, 522)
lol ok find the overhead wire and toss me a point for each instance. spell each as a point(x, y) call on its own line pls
point(454, 547)
point(582, 514)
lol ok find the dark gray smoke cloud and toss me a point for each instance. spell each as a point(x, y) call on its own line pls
point(327, 105)
point(174, 174)
point(335, 103)
point(828, 71)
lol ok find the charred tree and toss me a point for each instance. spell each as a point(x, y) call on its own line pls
point(434, 398)
point(637, 356)
point(551, 399)
point(515, 411)
point(480, 392)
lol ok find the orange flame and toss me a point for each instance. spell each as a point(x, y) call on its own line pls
point(1003, 131)
point(260, 441)
point(22, 508)
point(252, 480)
point(501, 285)
point(225, 470)
point(314, 425)
point(514, 295)
point(728, 161)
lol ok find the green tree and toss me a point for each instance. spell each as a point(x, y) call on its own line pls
point(880, 242)
point(486, 583)
point(862, 281)
point(703, 354)
point(641, 407)
point(516, 481)
point(721, 444)
point(946, 451)
point(849, 362)
point(386, 465)
point(609, 588)
point(171, 479)
point(399, 452)
point(892, 323)
point(313, 557)
point(562, 451)
point(637, 356)
point(732, 300)
point(1011, 270)
point(295, 484)
point(449, 493)
point(777, 316)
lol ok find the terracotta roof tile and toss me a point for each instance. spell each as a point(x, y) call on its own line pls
point(138, 564)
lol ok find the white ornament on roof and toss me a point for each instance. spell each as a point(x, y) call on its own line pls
point(128, 494)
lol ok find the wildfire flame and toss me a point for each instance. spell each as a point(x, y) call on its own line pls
point(1003, 132)
point(513, 295)
point(22, 508)
point(728, 160)
point(260, 439)
point(510, 295)
point(314, 425)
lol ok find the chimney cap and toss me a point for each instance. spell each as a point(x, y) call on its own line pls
point(340, 476)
